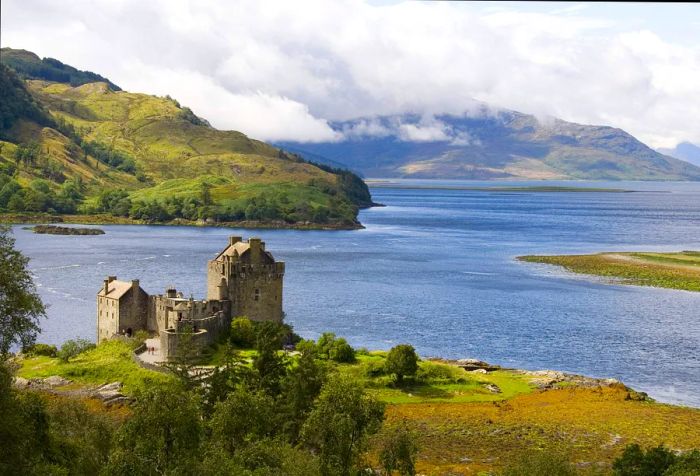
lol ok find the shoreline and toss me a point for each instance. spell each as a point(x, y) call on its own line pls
point(37, 219)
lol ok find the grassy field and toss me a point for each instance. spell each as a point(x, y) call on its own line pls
point(665, 270)
point(463, 426)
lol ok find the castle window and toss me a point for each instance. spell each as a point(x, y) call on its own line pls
point(257, 294)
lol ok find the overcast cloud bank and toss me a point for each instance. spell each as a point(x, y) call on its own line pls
point(281, 71)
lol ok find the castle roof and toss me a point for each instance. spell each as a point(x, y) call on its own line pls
point(115, 289)
point(241, 248)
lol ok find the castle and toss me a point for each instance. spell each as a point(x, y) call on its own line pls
point(243, 280)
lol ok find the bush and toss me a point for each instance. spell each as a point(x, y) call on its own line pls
point(634, 461)
point(402, 361)
point(333, 348)
point(242, 332)
point(71, 348)
point(398, 450)
point(42, 349)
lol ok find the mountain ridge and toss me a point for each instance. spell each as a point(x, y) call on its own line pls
point(491, 144)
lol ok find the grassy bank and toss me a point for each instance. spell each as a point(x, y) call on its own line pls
point(105, 219)
point(665, 270)
point(467, 422)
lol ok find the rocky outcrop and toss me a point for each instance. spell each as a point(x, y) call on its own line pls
point(110, 394)
point(66, 230)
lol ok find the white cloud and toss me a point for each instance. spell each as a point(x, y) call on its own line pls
point(280, 71)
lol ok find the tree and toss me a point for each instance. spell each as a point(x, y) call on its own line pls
point(162, 436)
point(20, 306)
point(339, 425)
point(300, 388)
point(269, 364)
point(402, 361)
point(398, 451)
point(634, 461)
point(242, 332)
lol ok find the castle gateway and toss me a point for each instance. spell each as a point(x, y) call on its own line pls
point(243, 280)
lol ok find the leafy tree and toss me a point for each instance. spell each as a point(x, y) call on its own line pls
point(20, 306)
point(269, 364)
point(687, 464)
point(224, 379)
point(242, 332)
point(71, 348)
point(163, 435)
point(398, 451)
point(340, 423)
point(245, 416)
point(634, 461)
point(300, 388)
point(402, 361)
point(334, 348)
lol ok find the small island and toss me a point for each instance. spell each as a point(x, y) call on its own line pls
point(65, 230)
point(680, 270)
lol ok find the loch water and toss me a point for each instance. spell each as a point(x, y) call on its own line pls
point(436, 268)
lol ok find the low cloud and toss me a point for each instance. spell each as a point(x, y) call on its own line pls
point(283, 72)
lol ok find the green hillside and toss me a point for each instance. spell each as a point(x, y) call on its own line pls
point(91, 150)
point(28, 65)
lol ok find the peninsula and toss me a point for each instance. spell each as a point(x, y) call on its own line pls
point(680, 270)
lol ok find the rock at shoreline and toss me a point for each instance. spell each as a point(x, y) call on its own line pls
point(65, 230)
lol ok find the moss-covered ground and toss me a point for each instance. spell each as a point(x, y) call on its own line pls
point(665, 270)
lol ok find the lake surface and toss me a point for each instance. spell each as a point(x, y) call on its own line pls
point(436, 268)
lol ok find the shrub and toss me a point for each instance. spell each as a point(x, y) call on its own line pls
point(333, 348)
point(42, 349)
point(634, 461)
point(342, 352)
point(398, 450)
point(242, 332)
point(402, 361)
point(71, 348)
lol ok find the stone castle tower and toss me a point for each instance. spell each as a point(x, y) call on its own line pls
point(249, 278)
point(243, 280)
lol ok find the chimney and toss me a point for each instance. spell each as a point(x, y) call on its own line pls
point(255, 247)
point(135, 284)
point(232, 240)
point(106, 286)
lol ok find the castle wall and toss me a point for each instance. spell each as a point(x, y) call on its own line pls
point(107, 322)
point(258, 292)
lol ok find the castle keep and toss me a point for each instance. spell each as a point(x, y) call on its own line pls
point(243, 280)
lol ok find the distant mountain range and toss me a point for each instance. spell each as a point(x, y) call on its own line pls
point(492, 144)
point(684, 151)
point(72, 142)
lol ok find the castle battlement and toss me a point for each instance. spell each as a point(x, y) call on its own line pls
point(242, 280)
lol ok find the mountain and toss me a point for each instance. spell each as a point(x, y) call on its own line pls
point(684, 151)
point(90, 149)
point(492, 144)
point(28, 65)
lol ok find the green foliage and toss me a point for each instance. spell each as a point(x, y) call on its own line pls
point(635, 461)
point(402, 361)
point(162, 436)
point(107, 155)
point(72, 348)
point(245, 416)
point(42, 349)
point(30, 66)
point(269, 364)
point(242, 332)
point(20, 306)
point(335, 348)
point(687, 464)
point(340, 423)
point(16, 102)
point(398, 450)
point(39, 436)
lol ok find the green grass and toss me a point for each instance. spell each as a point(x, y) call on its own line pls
point(109, 362)
point(666, 270)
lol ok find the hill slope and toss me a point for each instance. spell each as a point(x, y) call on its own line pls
point(494, 145)
point(90, 149)
point(684, 151)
